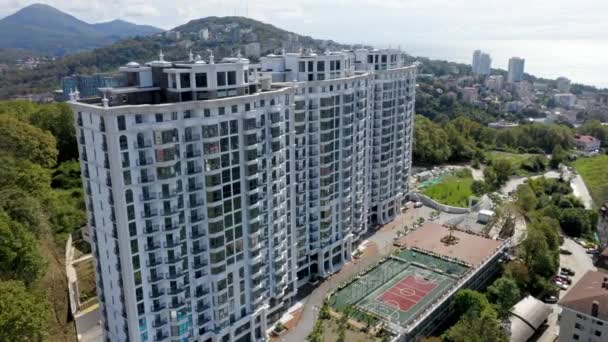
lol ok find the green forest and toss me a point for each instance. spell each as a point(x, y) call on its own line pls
point(41, 203)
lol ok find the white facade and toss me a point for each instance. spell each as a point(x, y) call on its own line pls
point(578, 326)
point(203, 34)
point(207, 209)
point(516, 69)
point(565, 100)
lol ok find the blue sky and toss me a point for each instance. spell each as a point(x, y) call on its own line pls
point(370, 21)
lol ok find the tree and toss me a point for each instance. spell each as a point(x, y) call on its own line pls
point(534, 164)
point(518, 271)
point(24, 141)
point(19, 255)
point(58, 119)
point(67, 175)
point(23, 313)
point(431, 144)
point(24, 175)
point(526, 198)
point(467, 300)
point(595, 129)
point(558, 156)
point(537, 255)
point(477, 326)
point(504, 293)
point(577, 221)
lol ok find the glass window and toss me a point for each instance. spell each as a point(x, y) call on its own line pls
point(231, 77)
point(122, 125)
point(302, 66)
point(221, 78)
point(201, 80)
point(184, 80)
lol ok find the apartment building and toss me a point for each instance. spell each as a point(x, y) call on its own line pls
point(584, 315)
point(213, 193)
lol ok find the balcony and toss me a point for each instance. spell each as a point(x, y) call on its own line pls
point(149, 213)
point(156, 294)
point(155, 278)
point(152, 247)
point(147, 197)
point(144, 161)
point(153, 262)
point(159, 323)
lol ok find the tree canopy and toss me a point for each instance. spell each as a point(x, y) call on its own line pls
point(23, 313)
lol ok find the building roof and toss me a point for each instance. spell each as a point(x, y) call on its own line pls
point(591, 288)
point(526, 317)
point(585, 139)
point(470, 248)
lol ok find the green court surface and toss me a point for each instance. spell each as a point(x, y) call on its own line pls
point(398, 289)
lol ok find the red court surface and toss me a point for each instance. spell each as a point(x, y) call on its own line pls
point(407, 292)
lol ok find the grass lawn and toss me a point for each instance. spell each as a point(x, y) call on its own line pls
point(516, 160)
point(453, 190)
point(595, 174)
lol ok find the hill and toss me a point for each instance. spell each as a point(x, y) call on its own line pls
point(227, 35)
point(47, 30)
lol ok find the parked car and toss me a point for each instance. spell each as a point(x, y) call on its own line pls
point(567, 271)
point(561, 285)
point(563, 279)
point(417, 204)
point(550, 299)
point(565, 251)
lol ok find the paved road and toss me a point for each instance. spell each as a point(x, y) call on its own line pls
point(580, 262)
point(580, 190)
point(514, 182)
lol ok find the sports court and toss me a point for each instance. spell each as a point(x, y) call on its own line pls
point(399, 288)
point(407, 292)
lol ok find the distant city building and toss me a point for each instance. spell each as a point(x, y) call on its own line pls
point(523, 89)
point(174, 35)
point(514, 106)
point(563, 85)
point(470, 94)
point(584, 315)
point(482, 63)
point(88, 85)
point(503, 124)
point(253, 50)
point(203, 34)
point(587, 143)
point(516, 69)
point(565, 100)
point(539, 86)
point(495, 83)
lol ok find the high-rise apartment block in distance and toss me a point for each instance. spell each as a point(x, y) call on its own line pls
point(562, 85)
point(213, 192)
point(516, 69)
point(482, 63)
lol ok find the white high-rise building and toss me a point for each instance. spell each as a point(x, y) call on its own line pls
point(482, 63)
point(213, 193)
point(516, 69)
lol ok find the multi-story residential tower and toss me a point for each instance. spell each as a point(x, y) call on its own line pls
point(516, 69)
point(331, 120)
point(212, 190)
point(482, 63)
point(392, 115)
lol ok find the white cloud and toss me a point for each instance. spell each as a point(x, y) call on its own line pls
point(371, 21)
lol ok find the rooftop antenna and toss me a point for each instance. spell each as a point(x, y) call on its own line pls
point(76, 94)
point(211, 61)
point(283, 51)
point(161, 56)
point(238, 54)
point(190, 56)
point(71, 94)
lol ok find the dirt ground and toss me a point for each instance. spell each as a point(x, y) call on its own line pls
point(54, 284)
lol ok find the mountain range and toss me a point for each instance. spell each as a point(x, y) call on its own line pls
point(46, 30)
point(228, 36)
